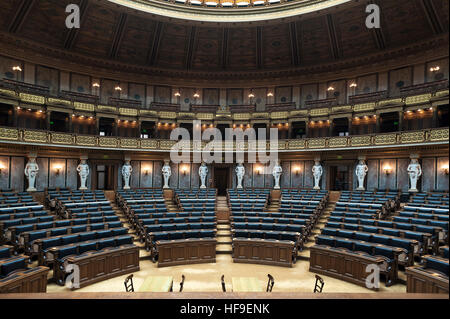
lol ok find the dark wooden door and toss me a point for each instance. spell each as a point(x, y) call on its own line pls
point(221, 180)
point(340, 177)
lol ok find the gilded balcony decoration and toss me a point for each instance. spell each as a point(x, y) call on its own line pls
point(442, 93)
point(364, 107)
point(438, 135)
point(35, 136)
point(412, 137)
point(11, 134)
point(279, 115)
point(106, 108)
point(317, 143)
point(261, 115)
point(7, 92)
point(363, 140)
point(337, 142)
point(167, 115)
point(166, 144)
point(31, 98)
point(319, 112)
point(107, 141)
point(390, 101)
point(385, 139)
point(241, 116)
point(343, 108)
point(61, 138)
point(129, 143)
point(85, 140)
point(149, 144)
point(84, 106)
point(148, 113)
point(296, 144)
point(205, 116)
point(52, 100)
point(186, 115)
point(127, 111)
point(299, 113)
point(416, 99)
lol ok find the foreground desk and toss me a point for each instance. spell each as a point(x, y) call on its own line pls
point(246, 284)
point(187, 251)
point(157, 284)
point(263, 251)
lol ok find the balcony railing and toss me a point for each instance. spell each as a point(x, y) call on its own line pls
point(396, 139)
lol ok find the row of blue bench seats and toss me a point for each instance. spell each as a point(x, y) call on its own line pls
point(300, 228)
point(433, 210)
point(268, 234)
point(260, 216)
point(38, 213)
point(21, 207)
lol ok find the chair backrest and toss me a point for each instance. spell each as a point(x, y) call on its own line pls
point(319, 284)
point(222, 279)
point(270, 283)
point(182, 283)
point(129, 287)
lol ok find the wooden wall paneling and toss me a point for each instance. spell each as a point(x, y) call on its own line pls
point(427, 181)
point(388, 181)
point(441, 177)
point(54, 179)
point(402, 174)
point(173, 181)
point(146, 180)
point(184, 181)
point(157, 174)
point(80, 83)
point(48, 77)
point(135, 174)
point(18, 180)
point(309, 179)
point(285, 180)
point(248, 177)
point(5, 174)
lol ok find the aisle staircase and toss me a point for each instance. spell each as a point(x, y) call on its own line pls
point(224, 240)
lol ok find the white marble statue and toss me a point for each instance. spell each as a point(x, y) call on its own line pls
point(203, 172)
point(240, 172)
point(31, 170)
point(126, 173)
point(167, 172)
point(361, 172)
point(317, 171)
point(414, 172)
point(276, 172)
point(83, 170)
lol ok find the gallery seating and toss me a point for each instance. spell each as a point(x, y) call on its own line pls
point(429, 277)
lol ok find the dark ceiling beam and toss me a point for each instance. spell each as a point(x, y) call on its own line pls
point(21, 14)
point(190, 48)
point(153, 52)
point(294, 44)
point(335, 50)
point(259, 48)
point(379, 33)
point(432, 17)
point(73, 33)
point(224, 49)
point(118, 36)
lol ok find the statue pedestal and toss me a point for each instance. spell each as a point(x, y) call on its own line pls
point(203, 187)
point(168, 194)
point(126, 187)
point(83, 188)
point(413, 190)
point(360, 189)
point(32, 189)
point(275, 194)
point(316, 187)
point(276, 187)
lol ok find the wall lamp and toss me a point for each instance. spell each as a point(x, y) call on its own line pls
point(444, 169)
point(297, 170)
point(146, 171)
point(2, 167)
point(58, 170)
point(387, 170)
point(184, 170)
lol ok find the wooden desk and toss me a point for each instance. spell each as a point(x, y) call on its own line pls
point(246, 284)
point(157, 284)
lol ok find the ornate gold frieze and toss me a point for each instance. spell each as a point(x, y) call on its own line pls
point(85, 140)
point(167, 115)
point(241, 116)
point(260, 115)
point(35, 136)
point(107, 141)
point(390, 101)
point(9, 134)
point(412, 137)
point(316, 143)
point(148, 112)
point(385, 139)
point(205, 116)
point(84, 106)
point(296, 144)
point(337, 142)
point(416, 99)
point(442, 93)
point(149, 144)
point(364, 107)
point(61, 138)
point(127, 111)
point(106, 108)
point(279, 115)
point(343, 108)
point(31, 98)
point(166, 145)
point(186, 114)
point(360, 140)
point(319, 112)
point(129, 143)
point(438, 135)
point(8, 92)
point(59, 101)
point(299, 113)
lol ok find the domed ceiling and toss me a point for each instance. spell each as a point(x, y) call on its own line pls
point(124, 39)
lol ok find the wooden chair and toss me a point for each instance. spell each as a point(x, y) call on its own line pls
point(318, 287)
point(182, 283)
point(224, 289)
point(129, 287)
point(270, 283)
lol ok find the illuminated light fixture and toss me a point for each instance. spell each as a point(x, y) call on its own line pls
point(330, 88)
point(270, 94)
point(118, 88)
point(82, 117)
point(320, 122)
point(2, 167)
point(90, 117)
point(286, 124)
point(242, 125)
point(73, 115)
point(258, 170)
point(146, 170)
point(40, 111)
point(211, 125)
point(96, 85)
point(356, 118)
point(445, 169)
point(251, 95)
point(58, 169)
point(387, 169)
point(196, 95)
point(17, 68)
point(353, 85)
point(185, 170)
point(177, 94)
point(419, 110)
point(297, 170)
point(174, 124)
point(18, 108)
point(366, 117)
point(435, 68)
point(166, 124)
point(234, 125)
point(159, 123)
point(29, 110)
point(430, 109)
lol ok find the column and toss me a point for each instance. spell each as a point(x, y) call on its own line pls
point(400, 121)
point(350, 120)
point(434, 120)
point(377, 126)
point(70, 124)
point(47, 118)
point(307, 128)
point(330, 128)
